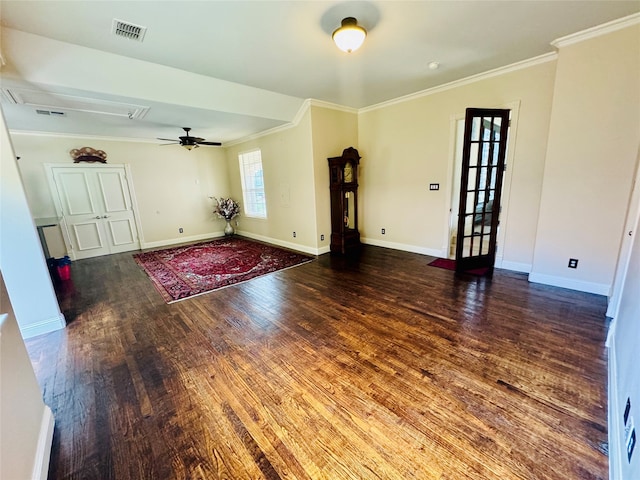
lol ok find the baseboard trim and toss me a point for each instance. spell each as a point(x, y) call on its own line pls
point(613, 420)
point(177, 241)
point(405, 247)
point(214, 235)
point(43, 449)
point(515, 266)
point(46, 326)
point(555, 281)
point(281, 243)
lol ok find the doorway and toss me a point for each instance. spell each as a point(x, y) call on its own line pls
point(483, 162)
point(96, 207)
point(457, 125)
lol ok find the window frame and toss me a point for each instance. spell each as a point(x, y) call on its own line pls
point(250, 204)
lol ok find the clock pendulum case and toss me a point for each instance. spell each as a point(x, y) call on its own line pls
point(343, 185)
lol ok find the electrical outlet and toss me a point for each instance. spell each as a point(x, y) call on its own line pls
point(294, 234)
point(573, 263)
point(382, 231)
point(180, 230)
point(321, 237)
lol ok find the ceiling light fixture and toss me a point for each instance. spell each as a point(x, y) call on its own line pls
point(350, 36)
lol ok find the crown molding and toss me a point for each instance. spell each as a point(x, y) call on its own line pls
point(332, 106)
point(547, 57)
point(281, 128)
point(597, 31)
point(306, 105)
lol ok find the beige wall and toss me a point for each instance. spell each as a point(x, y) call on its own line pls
point(21, 258)
point(24, 418)
point(172, 185)
point(333, 131)
point(287, 161)
point(593, 143)
point(408, 145)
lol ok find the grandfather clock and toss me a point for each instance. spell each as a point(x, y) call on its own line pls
point(343, 183)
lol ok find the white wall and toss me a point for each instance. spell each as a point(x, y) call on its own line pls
point(591, 155)
point(21, 259)
point(26, 423)
point(408, 144)
point(287, 161)
point(172, 185)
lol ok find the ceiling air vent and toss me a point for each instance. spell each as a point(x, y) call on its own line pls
point(51, 112)
point(128, 30)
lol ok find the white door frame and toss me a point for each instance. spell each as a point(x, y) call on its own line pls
point(49, 170)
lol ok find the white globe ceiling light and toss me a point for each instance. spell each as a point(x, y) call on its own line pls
point(350, 36)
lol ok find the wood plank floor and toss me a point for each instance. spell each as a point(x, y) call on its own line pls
point(379, 367)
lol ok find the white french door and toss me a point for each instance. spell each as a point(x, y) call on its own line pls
point(95, 203)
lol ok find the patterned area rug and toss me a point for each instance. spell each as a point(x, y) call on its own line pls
point(182, 272)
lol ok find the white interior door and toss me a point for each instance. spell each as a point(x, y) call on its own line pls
point(96, 206)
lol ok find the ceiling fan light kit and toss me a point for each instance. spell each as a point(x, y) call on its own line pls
point(350, 36)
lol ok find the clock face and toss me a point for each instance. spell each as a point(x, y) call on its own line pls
point(348, 172)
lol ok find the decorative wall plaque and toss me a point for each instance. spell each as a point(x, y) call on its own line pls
point(88, 154)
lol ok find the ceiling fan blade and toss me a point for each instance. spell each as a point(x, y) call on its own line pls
point(215, 144)
point(172, 143)
point(191, 139)
point(167, 139)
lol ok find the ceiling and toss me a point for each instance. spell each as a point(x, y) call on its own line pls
point(230, 69)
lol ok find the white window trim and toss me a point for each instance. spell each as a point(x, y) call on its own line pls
point(246, 191)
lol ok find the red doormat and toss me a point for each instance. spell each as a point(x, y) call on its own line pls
point(182, 272)
point(449, 264)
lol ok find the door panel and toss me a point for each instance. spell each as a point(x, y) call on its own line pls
point(122, 234)
point(81, 209)
point(97, 209)
point(483, 156)
point(119, 221)
point(86, 236)
point(113, 191)
point(76, 196)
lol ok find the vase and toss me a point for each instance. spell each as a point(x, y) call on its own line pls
point(228, 229)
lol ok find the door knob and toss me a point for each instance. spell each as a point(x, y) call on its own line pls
point(98, 217)
point(105, 216)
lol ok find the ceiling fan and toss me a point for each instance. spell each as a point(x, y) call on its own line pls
point(189, 142)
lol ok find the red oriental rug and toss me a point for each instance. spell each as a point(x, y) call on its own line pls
point(449, 264)
point(183, 272)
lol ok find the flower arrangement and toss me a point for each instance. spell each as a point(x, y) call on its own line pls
point(226, 208)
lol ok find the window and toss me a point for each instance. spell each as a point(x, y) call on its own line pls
point(255, 204)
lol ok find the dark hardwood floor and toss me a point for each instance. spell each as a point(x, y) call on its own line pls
point(380, 367)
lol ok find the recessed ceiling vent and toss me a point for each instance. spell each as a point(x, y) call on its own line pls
point(53, 113)
point(128, 30)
